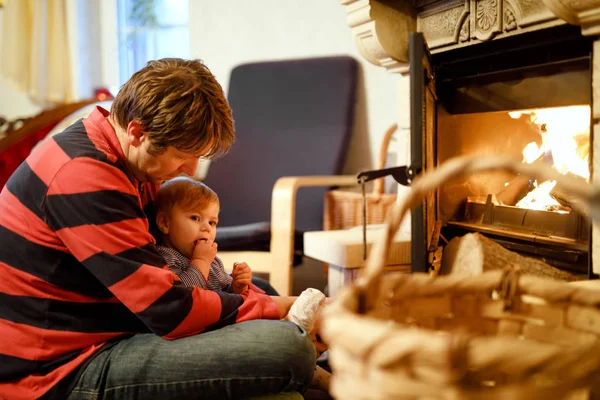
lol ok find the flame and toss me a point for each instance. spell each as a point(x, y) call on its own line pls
point(540, 198)
point(532, 152)
point(565, 134)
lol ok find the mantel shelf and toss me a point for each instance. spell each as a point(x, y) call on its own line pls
point(381, 27)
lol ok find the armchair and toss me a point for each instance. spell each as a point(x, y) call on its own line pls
point(293, 121)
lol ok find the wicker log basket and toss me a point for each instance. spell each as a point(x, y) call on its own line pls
point(498, 335)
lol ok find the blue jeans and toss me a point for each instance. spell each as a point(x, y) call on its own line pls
point(238, 361)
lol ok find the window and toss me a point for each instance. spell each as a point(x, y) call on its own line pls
point(151, 29)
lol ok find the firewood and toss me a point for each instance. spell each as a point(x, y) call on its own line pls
point(562, 196)
point(474, 253)
point(519, 186)
point(514, 190)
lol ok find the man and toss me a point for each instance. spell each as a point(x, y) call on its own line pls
point(86, 301)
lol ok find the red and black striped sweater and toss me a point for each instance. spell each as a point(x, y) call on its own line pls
point(79, 267)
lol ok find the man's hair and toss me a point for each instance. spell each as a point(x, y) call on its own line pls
point(184, 192)
point(179, 103)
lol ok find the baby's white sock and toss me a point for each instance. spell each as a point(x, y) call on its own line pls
point(304, 312)
point(305, 309)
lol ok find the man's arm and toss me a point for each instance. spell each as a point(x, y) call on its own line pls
point(101, 222)
point(284, 304)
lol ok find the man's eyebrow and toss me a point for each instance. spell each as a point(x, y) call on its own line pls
point(199, 154)
point(190, 154)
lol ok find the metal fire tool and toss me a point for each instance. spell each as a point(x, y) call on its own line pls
point(402, 175)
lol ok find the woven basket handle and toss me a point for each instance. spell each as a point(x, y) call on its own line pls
point(383, 151)
point(586, 196)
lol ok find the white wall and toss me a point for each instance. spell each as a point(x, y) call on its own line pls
point(227, 33)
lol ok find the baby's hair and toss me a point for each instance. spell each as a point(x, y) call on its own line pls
point(184, 192)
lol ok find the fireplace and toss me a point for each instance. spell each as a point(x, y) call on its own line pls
point(528, 94)
point(482, 72)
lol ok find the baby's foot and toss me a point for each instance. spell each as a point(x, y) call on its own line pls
point(305, 309)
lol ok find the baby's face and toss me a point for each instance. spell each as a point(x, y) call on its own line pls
point(188, 226)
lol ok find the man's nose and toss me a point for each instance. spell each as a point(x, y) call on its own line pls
point(189, 167)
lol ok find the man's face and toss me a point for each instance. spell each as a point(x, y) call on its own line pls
point(165, 166)
point(147, 165)
point(186, 227)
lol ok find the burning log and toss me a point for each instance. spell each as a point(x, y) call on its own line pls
point(562, 196)
point(514, 190)
point(474, 253)
point(518, 187)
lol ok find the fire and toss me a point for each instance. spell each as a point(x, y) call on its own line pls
point(565, 141)
point(540, 198)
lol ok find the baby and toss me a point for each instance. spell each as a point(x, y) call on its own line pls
point(187, 214)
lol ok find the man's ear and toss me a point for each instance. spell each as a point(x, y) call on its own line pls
point(135, 133)
point(162, 221)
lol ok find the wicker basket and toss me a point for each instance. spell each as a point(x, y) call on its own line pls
point(343, 209)
point(499, 335)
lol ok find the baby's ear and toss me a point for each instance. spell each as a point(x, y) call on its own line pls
point(163, 223)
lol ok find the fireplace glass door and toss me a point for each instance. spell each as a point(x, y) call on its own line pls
point(527, 97)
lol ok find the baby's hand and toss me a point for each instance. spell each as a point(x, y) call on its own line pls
point(242, 277)
point(205, 251)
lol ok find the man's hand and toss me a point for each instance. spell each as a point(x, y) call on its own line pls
point(204, 253)
point(242, 277)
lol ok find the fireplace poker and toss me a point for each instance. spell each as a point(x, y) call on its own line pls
point(400, 175)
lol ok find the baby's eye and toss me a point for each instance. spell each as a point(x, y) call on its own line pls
point(213, 223)
point(195, 218)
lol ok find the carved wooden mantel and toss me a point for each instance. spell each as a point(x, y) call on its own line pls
point(381, 27)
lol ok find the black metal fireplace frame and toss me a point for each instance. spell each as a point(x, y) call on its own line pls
point(540, 52)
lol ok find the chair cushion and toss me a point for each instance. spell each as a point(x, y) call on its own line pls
point(251, 237)
point(254, 237)
point(292, 118)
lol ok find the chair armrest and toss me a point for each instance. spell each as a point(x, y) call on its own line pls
point(283, 215)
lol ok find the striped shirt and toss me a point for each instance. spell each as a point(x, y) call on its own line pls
point(79, 267)
point(218, 279)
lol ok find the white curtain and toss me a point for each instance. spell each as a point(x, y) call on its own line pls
point(34, 53)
